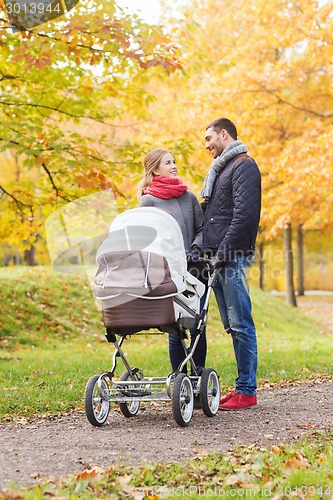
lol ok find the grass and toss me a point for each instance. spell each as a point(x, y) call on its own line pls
point(41, 308)
point(302, 470)
point(52, 341)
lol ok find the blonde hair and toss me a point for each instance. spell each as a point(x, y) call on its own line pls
point(151, 162)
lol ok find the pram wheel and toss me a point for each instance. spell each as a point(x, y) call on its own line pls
point(209, 392)
point(130, 408)
point(96, 407)
point(182, 400)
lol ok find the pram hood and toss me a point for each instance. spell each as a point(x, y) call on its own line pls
point(142, 279)
point(148, 231)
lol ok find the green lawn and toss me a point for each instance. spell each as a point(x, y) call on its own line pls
point(52, 341)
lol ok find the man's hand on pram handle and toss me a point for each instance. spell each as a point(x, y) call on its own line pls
point(214, 263)
point(194, 254)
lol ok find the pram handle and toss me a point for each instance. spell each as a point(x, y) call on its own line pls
point(212, 277)
point(204, 259)
point(212, 273)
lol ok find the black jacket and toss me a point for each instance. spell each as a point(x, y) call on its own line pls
point(233, 211)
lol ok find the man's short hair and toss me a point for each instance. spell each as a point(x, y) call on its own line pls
point(224, 123)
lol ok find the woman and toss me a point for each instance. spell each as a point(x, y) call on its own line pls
point(162, 188)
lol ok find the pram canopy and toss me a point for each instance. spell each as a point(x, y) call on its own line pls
point(140, 242)
point(144, 259)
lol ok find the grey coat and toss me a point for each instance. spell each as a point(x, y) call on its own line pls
point(187, 212)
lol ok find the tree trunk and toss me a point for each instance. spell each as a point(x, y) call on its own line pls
point(17, 259)
point(261, 265)
point(7, 254)
point(289, 266)
point(300, 261)
point(29, 256)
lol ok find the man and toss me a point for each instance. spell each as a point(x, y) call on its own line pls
point(232, 192)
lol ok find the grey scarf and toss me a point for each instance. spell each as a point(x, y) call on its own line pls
point(218, 164)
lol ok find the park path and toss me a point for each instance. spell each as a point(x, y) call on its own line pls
point(31, 451)
point(45, 448)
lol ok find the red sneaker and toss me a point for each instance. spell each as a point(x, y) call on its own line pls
point(228, 396)
point(238, 401)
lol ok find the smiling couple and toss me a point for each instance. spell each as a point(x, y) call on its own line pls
point(224, 227)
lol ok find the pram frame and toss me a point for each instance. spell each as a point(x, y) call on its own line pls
point(133, 388)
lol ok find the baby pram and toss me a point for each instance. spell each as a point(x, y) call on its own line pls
point(142, 283)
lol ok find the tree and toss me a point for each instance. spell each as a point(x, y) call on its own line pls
point(300, 260)
point(289, 261)
point(58, 83)
point(268, 66)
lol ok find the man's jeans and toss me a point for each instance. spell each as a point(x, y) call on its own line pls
point(233, 299)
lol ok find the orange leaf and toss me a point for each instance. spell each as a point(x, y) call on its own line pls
point(294, 463)
point(94, 473)
point(322, 459)
point(196, 451)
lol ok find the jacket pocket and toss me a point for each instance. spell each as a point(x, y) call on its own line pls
point(218, 219)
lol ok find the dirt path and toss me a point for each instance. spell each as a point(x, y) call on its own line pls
point(41, 449)
point(52, 448)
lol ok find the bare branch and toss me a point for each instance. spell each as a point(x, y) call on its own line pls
point(71, 115)
point(299, 108)
point(7, 77)
point(51, 108)
point(57, 190)
point(19, 203)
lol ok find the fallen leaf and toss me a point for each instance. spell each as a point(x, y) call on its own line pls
point(233, 480)
point(9, 494)
point(295, 463)
point(124, 479)
point(96, 473)
point(35, 475)
point(322, 459)
point(130, 491)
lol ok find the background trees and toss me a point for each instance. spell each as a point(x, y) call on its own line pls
point(67, 90)
point(84, 99)
point(268, 66)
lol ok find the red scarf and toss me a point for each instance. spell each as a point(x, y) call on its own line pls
point(165, 187)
